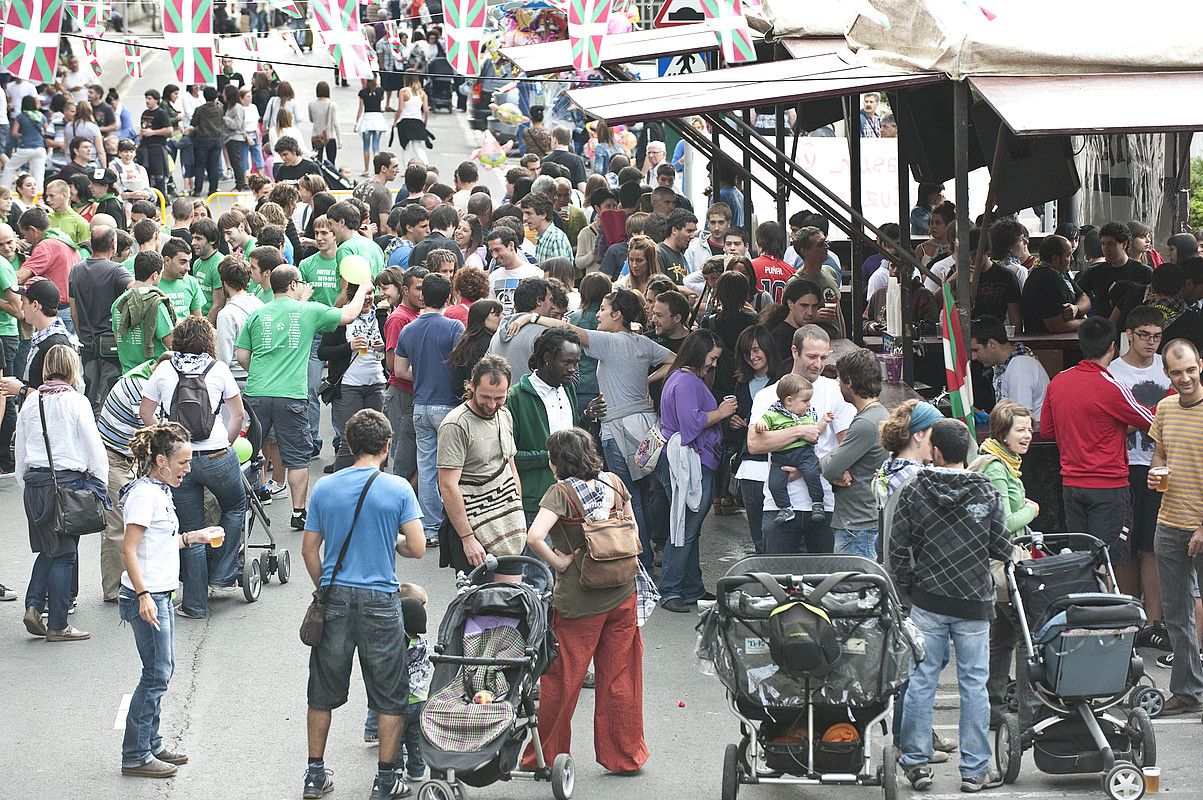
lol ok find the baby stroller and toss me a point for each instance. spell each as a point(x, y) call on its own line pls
point(1079, 637)
point(494, 643)
point(442, 84)
point(809, 729)
point(256, 569)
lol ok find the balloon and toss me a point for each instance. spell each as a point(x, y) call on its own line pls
point(510, 114)
point(355, 269)
point(243, 449)
point(490, 153)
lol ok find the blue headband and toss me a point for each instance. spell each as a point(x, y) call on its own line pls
point(923, 417)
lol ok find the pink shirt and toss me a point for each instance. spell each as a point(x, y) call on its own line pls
point(401, 316)
point(459, 311)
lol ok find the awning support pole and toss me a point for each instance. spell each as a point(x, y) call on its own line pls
point(858, 249)
point(960, 143)
point(905, 274)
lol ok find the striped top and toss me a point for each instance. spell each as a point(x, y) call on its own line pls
point(119, 418)
point(1179, 430)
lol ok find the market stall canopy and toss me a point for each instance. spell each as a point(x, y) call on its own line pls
point(768, 83)
point(1034, 105)
point(619, 48)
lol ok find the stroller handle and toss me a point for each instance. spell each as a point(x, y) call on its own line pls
point(492, 562)
point(1094, 543)
point(725, 585)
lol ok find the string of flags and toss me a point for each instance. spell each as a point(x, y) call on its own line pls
point(133, 60)
point(726, 19)
point(588, 21)
point(465, 32)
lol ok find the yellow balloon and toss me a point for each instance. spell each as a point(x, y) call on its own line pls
point(355, 269)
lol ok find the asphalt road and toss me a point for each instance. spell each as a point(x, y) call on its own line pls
point(236, 704)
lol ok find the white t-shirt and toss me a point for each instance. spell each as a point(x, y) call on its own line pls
point(827, 397)
point(503, 282)
point(149, 504)
point(220, 382)
point(1025, 382)
point(1148, 385)
point(365, 370)
point(941, 269)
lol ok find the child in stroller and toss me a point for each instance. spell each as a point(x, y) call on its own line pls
point(1079, 638)
point(442, 84)
point(494, 643)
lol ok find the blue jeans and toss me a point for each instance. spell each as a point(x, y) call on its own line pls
point(65, 315)
point(618, 465)
point(316, 365)
point(682, 569)
point(371, 141)
point(408, 757)
point(799, 536)
point(856, 543)
point(202, 566)
point(254, 150)
point(51, 581)
point(971, 638)
point(206, 162)
point(236, 155)
point(156, 649)
point(427, 420)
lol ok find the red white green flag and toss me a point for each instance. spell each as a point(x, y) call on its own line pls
point(188, 31)
point(89, 46)
point(956, 360)
point(465, 31)
point(31, 36)
point(726, 19)
point(587, 23)
point(133, 60)
point(338, 28)
point(287, 7)
point(251, 41)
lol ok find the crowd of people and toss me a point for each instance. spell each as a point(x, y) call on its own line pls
point(514, 364)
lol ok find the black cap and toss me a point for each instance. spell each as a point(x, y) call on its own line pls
point(102, 176)
point(43, 291)
point(414, 615)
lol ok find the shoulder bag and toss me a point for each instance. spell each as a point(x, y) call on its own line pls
point(314, 623)
point(77, 511)
point(610, 557)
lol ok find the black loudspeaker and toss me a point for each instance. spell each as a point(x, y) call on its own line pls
point(925, 133)
point(1031, 170)
point(815, 114)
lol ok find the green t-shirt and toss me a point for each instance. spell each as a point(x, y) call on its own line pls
point(72, 224)
point(185, 294)
point(279, 336)
point(8, 280)
point(322, 275)
point(258, 291)
point(362, 245)
point(206, 274)
point(250, 245)
point(129, 347)
point(129, 263)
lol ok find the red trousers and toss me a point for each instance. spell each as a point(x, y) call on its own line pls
point(613, 642)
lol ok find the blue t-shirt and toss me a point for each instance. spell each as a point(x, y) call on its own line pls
point(30, 132)
point(426, 342)
point(400, 255)
point(371, 561)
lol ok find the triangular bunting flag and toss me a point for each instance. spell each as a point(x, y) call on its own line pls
point(287, 7)
point(726, 19)
point(31, 36)
point(89, 46)
point(338, 28)
point(465, 31)
point(188, 31)
point(133, 60)
point(290, 41)
point(251, 41)
point(587, 23)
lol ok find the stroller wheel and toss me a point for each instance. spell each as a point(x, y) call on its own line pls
point(731, 772)
point(1008, 751)
point(1149, 699)
point(266, 567)
point(1124, 782)
point(1143, 738)
point(563, 776)
point(1011, 697)
point(251, 581)
point(435, 790)
point(889, 772)
point(283, 566)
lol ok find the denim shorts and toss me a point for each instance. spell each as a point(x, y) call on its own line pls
point(289, 419)
point(368, 621)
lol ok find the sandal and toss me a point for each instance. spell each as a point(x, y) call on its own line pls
point(725, 506)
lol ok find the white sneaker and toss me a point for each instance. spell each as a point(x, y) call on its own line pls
point(276, 488)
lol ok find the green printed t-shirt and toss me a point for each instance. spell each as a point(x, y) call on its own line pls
point(263, 294)
point(250, 245)
point(206, 274)
point(8, 280)
point(279, 336)
point(185, 295)
point(129, 347)
point(363, 246)
point(322, 275)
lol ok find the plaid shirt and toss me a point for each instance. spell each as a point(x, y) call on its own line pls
point(552, 243)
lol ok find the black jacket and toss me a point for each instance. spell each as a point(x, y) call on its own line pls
point(434, 241)
point(334, 351)
point(943, 529)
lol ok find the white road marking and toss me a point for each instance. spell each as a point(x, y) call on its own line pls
point(122, 710)
point(1172, 721)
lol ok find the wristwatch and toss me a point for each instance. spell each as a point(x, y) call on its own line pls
point(534, 318)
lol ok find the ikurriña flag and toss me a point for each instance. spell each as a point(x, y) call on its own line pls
point(726, 18)
point(188, 31)
point(465, 31)
point(338, 28)
point(587, 23)
point(133, 60)
point(31, 37)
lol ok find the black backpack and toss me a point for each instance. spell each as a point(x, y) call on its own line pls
point(802, 638)
point(190, 404)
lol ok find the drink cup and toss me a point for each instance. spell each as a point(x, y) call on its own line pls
point(1163, 477)
point(362, 351)
point(1152, 780)
point(830, 307)
point(217, 536)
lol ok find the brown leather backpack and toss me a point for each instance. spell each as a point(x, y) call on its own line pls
point(610, 555)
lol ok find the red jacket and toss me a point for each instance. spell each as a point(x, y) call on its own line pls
point(1088, 412)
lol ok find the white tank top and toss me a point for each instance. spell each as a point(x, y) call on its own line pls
point(412, 108)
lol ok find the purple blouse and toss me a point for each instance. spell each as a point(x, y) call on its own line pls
point(684, 404)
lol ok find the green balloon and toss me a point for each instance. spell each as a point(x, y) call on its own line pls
point(243, 449)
